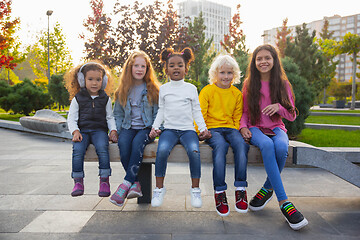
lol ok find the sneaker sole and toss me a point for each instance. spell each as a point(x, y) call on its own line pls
point(104, 194)
point(196, 205)
point(298, 226)
point(114, 202)
point(252, 208)
point(223, 214)
point(77, 193)
point(240, 210)
point(134, 195)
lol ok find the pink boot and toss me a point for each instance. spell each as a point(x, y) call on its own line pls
point(104, 188)
point(78, 189)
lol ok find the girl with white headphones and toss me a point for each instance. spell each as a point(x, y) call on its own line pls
point(89, 120)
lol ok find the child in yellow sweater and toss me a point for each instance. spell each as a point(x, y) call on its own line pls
point(222, 105)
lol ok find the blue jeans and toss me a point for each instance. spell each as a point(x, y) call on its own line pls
point(167, 141)
point(100, 140)
point(131, 144)
point(274, 151)
point(220, 141)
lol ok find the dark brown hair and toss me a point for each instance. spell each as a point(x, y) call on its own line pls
point(71, 76)
point(278, 85)
point(186, 54)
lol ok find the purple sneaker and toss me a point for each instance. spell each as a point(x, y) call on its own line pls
point(104, 188)
point(135, 191)
point(78, 189)
point(118, 198)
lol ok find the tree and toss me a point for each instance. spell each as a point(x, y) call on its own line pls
point(303, 97)
point(60, 58)
point(24, 98)
point(327, 46)
point(171, 34)
point(100, 45)
point(139, 26)
point(281, 36)
point(9, 46)
point(58, 91)
point(200, 46)
point(306, 54)
point(234, 43)
point(351, 45)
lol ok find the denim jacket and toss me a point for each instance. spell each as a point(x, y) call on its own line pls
point(123, 115)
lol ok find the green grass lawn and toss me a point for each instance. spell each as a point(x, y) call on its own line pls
point(330, 138)
point(11, 117)
point(341, 120)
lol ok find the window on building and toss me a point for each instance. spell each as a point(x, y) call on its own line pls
point(334, 21)
point(350, 19)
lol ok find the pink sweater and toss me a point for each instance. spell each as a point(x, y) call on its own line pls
point(265, 121)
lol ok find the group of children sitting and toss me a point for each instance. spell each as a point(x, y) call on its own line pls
point(224, 116)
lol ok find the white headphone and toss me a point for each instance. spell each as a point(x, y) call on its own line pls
point(81, 77)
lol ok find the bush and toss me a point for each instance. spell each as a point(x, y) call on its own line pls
point(5, 90)
point(339, 90)
point(58, 91)
point(24, 98)
point(303, 97)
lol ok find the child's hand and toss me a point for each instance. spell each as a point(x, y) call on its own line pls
point(113, 136)
point(246, 134)
point(154, 133)
point(206, 134)
point(271, 109)
point(77, 137)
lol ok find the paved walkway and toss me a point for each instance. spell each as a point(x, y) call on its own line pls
point(35, 201)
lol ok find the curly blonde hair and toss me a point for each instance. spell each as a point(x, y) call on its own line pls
point(71, 76)
point(126, 79)
point(220, 61)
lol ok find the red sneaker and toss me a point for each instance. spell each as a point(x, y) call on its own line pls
point(221, 204)
point(241, 203)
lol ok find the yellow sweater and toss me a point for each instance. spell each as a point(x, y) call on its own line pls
point(221, 107)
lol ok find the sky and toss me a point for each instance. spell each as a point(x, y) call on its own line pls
point(256, 15)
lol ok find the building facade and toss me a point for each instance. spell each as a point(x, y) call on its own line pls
point(216, 18)
point(340, 26)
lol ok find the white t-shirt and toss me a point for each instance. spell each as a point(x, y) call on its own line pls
point(178, 107)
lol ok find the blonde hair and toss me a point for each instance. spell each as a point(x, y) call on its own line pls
point(71, 77)
point(220, 61)
point(126, 79)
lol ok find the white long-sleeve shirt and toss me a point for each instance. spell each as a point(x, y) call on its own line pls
point(73, 116)
point(178, 107)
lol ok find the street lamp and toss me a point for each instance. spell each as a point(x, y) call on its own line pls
point(48, 13)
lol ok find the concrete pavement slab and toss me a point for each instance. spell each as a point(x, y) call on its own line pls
point(59, 221)
point(83, 236)
point(35, 188)
point(154, 223)
point(12, 221)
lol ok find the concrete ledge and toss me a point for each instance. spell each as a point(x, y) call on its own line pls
point(332, 126)
point(17, 126)
point(178, 154)
point(306, 154)
point(45, 120)
point(350, 114)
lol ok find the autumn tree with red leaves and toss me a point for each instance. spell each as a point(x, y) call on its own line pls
point(281, 36)
point(9, 54)
point(100, 45)
point(234, 42)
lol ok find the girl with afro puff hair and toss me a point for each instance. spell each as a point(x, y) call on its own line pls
point(178, 108)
